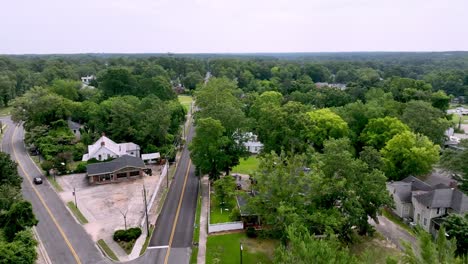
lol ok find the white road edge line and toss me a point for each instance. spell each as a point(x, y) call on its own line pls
point(167, 246)
point(41, 247)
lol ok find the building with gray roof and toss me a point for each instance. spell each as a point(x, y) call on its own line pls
point(122, 168)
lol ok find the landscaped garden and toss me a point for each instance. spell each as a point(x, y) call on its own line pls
point(226, 249)
point(127, 238)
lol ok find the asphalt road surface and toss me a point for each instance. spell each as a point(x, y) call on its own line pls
point(66, 241)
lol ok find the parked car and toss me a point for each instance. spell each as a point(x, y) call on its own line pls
point(37, 180)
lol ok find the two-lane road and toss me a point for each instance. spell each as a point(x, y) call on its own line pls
point(66, 241)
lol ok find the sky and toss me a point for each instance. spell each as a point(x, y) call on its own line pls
point(234, 26)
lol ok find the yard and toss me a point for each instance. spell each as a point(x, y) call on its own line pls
point(218, 214)
point(456, 118)
point(375, 250)
point(186, 101)
point(4, 111)
point(225, 249)
point(246, 166)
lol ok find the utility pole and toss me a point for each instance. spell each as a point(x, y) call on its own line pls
point(146, 211)
point(74, 194)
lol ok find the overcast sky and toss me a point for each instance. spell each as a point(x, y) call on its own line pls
point(194, 26)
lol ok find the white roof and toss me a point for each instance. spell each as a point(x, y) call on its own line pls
point(108, 143)
point(150, 156)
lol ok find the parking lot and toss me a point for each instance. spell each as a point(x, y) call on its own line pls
point(104, 205)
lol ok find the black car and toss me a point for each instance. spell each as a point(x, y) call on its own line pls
point(37, 180)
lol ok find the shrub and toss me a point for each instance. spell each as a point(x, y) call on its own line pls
point(47, 165)
point(235, 214)
point(127, 235)
point(251, 232)
point(81, 167)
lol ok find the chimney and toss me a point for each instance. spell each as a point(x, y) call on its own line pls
point(103, 134)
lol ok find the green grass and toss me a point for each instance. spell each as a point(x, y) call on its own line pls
point(4, 111)
point(216, 214)
point(226, 249)
point(147, 240)
point(54, 183)
point(77, 213)
point(374, 249)
point(1, 134)
point(186, 101)
point(196, 230)
point(397, 221)
point(102, 244)
point(456, 117)
point(246, 166)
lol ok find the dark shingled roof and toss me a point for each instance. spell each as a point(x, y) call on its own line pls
point(436, 198)
point(115, 165)
point(417, 184)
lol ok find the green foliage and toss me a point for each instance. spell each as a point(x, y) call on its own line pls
point(117, 81)
point(455, 160)
point(409, 154)
point(8, 171)
point(251, 232)
point(19, 217)
point(206, 149)
point(380, 130)
point(225, 189)
point(423, 118)
point(66, 88)
point(81, 167)
point(303, 248)
point(21, 250)
point(457, 227)
point(324, 124)
point(127, 235)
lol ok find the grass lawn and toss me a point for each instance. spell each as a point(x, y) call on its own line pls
point(246, 166)
point(102, 244)
point(456, 117)
point(397, 221)
point(216, 214)
point(375, 249)
point(4, 111)
point(77, 213)
point(226, 249)
point(147, 240)
point(186, 101)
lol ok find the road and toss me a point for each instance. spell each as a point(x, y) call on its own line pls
point(66, 241)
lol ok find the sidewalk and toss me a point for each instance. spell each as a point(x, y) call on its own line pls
point(203, 221)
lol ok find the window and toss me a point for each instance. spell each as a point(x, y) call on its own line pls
point(131, 152)
point(418, 218)
point(438, 210)
point(99, 157)
point(121, 175)
point(425, 221)
point(134, 173)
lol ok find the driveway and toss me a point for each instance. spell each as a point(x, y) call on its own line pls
point(394, 233)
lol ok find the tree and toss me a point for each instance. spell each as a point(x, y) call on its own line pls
point(423, 118)
point(380, 130)
point(9, 172)
point(457, 227)
point(442, 251)
point(21, 250)
point(225, 190)
point(304, 248)
point(409, 154)
point(206, 149)
point(7, 89)
point(323, 125)
point(159, 86)
point(117, 81)
point(19, 217)
point(192, 79)
point(66, 88)
point(455, 160)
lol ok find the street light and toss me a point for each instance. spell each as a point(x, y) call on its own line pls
point(241, 249)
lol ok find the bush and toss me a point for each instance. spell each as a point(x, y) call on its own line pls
point(47, 165)
point(235, 214)
point(127, 235)
point(251, 232)
point(81, 167)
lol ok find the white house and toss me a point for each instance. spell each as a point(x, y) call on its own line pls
point(86, 80)
point(104, 148)
point(252, 144)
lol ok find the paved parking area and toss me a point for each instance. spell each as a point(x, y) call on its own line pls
point(103, 205)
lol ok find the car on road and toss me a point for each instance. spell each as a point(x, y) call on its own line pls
point(37, 180)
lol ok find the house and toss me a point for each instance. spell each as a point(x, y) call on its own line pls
point(151, 158)
point(252, 144)
point(426, 204)
point(86, 80)
point(340, 86)
point(123, 168)
point(104, 148)
point(75, 128)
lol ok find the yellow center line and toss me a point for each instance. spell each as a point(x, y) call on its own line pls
point(28, 179)
point(174, 225)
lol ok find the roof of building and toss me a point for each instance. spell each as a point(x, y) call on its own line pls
point(459, 202)
point(111, 146)
point(444, 198)
point(73, 125)
point(150, 156)
point(114, 165)
point(405, 187)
